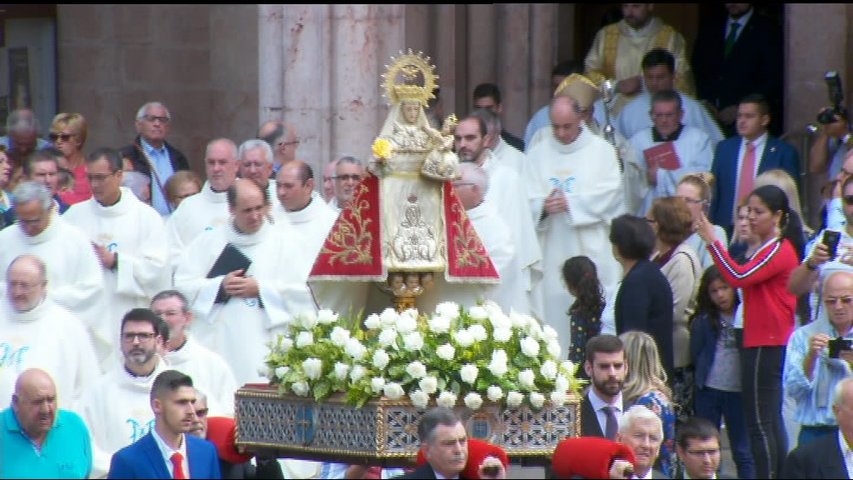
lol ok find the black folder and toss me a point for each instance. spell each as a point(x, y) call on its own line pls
point(229, 260)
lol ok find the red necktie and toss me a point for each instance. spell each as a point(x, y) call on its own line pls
point(178, 464)
point(747, 175)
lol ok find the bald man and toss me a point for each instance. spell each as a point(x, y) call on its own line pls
point(240, 309)
point(39, 440)
point(300, 207)
point(281, 137)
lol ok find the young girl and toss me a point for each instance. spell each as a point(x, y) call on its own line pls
point(716, 358)
point(581, 280)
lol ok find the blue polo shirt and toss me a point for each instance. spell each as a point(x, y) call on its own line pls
point(66, 452)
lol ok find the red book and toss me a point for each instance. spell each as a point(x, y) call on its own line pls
point(662, 156)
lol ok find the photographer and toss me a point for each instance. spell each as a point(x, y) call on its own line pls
point(819, 356)
point(831, 146)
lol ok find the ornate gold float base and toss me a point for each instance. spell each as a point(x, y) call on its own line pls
point(384, 432)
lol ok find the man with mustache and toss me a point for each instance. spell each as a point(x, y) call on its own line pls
point(117, 407)
point(167, 451)
point(601, 408)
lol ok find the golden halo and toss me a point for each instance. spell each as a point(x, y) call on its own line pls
point(418, 80)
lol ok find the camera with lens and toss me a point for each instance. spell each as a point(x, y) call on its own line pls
point(836, 99)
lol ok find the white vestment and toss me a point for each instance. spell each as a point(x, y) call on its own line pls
point(635, 117)
point(240, 328)
point(200, 212)
point(693, 148)
point(311, 224)
point(74, 278)
point(587, 172)
point(51, 338)
point(509, 156)
point(136, 232)
point(117, 411)
point(210, 374)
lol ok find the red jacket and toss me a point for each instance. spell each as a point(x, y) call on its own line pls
point(768, 306)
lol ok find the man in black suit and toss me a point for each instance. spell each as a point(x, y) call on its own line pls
point(488, 96)
point(825, 457)
point(602, 407)
point(444, 443)
point(735, 55)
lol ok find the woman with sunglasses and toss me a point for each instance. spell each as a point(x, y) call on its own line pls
point(68, 134)
point(768, 317)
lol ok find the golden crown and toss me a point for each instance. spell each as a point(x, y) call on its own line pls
point(410, 77)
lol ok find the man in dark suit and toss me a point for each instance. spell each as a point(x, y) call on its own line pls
point(488, 96)
point(825, 456)
point(167, 451)
point(444, 443)
point(150, 149)
point(601, 407)
point(698, 446)
point(738, 160)
point(735, 55)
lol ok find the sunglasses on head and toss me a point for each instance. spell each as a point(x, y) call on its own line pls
point(60, 136)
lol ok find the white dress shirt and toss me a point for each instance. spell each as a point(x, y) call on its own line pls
point(597, 405)
point(167, 453)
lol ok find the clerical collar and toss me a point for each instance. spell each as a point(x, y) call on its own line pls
point(129, 372)
point(112, 204)
point(657, 137)
point(310, 199)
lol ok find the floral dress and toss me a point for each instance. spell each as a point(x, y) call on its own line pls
point(657, 402)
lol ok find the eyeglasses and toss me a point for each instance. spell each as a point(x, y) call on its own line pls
point(693, 201)
point(30, 221)
point(99, 177)
point(154, 118)
point(848, 199)
point(711, 452)
point(344, 178)
point(167, 313)
point(22, 286)
point(201, 412)
point(129, 337)
point(292, 142)
point(663, 115)
point(831, 301)
point(60, 136)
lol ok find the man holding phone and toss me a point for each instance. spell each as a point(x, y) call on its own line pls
point(819, 356)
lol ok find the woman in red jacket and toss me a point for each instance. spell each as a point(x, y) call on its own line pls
point(768, 317)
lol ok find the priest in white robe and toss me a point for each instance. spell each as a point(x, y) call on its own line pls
point(128, 237)
point(207, 209)
point(37, 333)
point(300, 207)
point(574, 188)
point(73, 271)
point(240, 310)
point(691, 146)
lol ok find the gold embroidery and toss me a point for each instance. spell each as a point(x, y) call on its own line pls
point(466, 242)
point(351, 239)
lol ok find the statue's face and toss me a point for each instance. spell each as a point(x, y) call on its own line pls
point(411, 111)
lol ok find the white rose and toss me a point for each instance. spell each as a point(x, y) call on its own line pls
point(526, 378)
point(419, 398)
point(446, 400)
point(413, 341)
point(469, 372)
point(380, 359)
point(439, 324)
point(561, 383)
point(411, 312)
point(502, 335)
point(549, 333)
point(514, 399)
point(388, 317)
point(518, 320)
point(464, 339)
point(449, 310)
point(393, 390)
point(428, 384)
point(416, 369)
point(537, 399)
point(357, 373)
point(387, 337)
point(313, 368)
point(326, 317)
point(473, 401)
point(355, 349)
point(300, 388)
point(492, 308)
point(280, 372)
point(308, 320)
point(376, 384)
point(558, 398)
point(554, 349)
point(535, 330)
point(478, 332)
point(568, 367)
point(494, 393)
point(339, 336)
point(341, 370)
point(549, 369)
point(286, 344)
point(446, 352)
point(498, 366)
point(304, 339)
point(406, 324)
point(372, 322)
point(529, 347)
point(499, 320)
point(478, 313)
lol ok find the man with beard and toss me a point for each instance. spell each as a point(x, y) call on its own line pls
point(117, 407)
point(641, 430)
point(601, 408)
point(167, 451)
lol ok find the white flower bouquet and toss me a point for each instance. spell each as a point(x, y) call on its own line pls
point(474, 356)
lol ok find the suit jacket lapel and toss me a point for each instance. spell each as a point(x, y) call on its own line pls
point(589, 419)
point(155, 456)
point(835, 467)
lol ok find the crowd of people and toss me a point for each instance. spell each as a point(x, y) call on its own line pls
point(138, 297)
